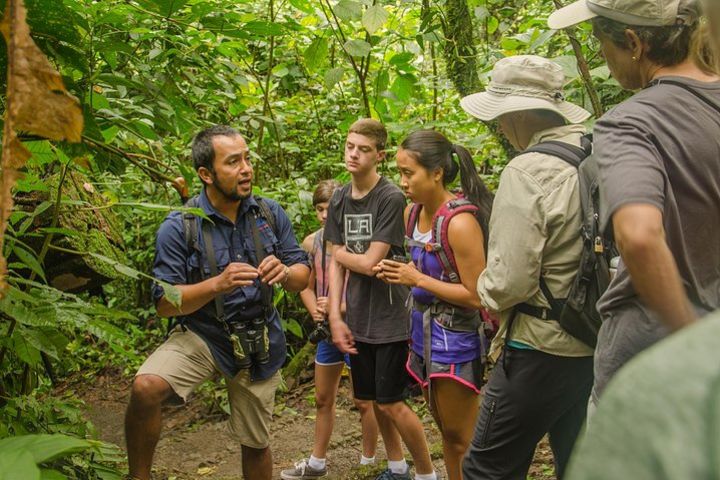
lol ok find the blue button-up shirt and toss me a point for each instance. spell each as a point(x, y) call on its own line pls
point(232, 242)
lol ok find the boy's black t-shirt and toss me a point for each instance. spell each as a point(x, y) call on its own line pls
point(375, 311)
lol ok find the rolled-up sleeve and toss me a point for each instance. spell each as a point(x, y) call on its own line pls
point(171, 253)
point(517, 238)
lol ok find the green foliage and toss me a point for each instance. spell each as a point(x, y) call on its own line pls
point(292, 76)
point(52, 457)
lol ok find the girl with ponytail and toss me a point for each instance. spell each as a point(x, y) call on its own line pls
point(445, 318)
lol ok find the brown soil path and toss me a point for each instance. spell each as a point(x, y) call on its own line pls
point(195, 443)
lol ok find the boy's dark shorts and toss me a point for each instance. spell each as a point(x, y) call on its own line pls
point(378, 372)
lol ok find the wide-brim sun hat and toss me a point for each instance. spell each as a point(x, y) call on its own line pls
point(642, 13)
point(523, 82)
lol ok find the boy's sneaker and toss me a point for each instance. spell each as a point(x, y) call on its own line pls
point(303, 471)
point(389, 475)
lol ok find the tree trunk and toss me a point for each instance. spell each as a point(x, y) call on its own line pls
point(460, 51)
point(460, 58)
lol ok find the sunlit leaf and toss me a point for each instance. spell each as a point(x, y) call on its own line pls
point(348, 10)
point(357, 47)
point(316, 53)
point(333, 76)
point(374, 18)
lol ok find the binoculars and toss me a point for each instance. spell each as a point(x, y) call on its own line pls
point(250, 342)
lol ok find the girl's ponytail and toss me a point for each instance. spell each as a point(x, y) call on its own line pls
point(474, 188)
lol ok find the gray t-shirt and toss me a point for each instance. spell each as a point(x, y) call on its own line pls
point(661, 147)
point(375, 311)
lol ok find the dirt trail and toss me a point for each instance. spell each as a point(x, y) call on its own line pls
point(195, 445)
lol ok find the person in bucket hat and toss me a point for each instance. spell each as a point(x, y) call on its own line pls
point(520, 83)
point(655, 154)
point(542, 376)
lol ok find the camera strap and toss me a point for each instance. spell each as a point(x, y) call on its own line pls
point(323, 265)
point(212, 263)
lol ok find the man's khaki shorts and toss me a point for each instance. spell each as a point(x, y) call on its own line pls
point(185, 361)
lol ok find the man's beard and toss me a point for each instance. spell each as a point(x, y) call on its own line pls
point(230, 194)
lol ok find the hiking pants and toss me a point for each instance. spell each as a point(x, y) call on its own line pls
point(529, 394)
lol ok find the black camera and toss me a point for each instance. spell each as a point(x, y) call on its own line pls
point(250, 342)
point(401, 258)
point(320, 332)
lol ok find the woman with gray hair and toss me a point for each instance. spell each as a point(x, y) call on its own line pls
point(659, 160)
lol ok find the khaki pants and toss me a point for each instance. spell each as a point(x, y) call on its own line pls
point(185, 361)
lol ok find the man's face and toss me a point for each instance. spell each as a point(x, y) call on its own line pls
point(232, 171)
point(361, 154)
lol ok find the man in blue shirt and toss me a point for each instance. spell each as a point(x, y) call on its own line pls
point(219, 298)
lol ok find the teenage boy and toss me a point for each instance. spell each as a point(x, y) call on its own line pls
point(365, 226)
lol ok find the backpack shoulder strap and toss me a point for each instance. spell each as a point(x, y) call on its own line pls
point(571, 154)
point(267, 213)
point(190, 229)
point(412, 220)
point(441, 223)
point(703, 98)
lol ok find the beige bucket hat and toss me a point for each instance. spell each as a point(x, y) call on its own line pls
point(523, 82)
point(643, 13)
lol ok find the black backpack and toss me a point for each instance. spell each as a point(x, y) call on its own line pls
point(577, 314)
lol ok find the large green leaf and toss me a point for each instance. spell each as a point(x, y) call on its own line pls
point(24, 350)
point(49, 341)
point(42, 153)
point(303, 5)
point(348, 10)
point(316, 53)
point(17, 464)
point(262, 28)
point(374, 18)
point(357, 47)
point(44, 447)
point(334, 76)
point(48, 474)
point(403, 87)
point(105, 331)
point(30, 260)
point(165, 8)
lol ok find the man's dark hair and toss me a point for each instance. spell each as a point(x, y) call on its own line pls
point(203, 153)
